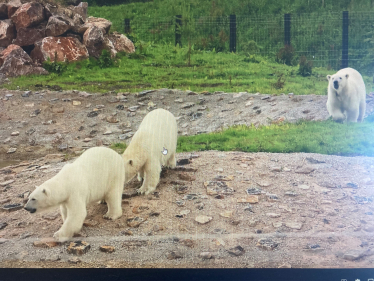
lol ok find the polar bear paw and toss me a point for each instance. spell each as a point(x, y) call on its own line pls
point(141, 190)
point(112, 216)
point(150, 190)
point(60, 236)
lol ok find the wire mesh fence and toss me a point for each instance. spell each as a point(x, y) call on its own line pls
point(317, 36)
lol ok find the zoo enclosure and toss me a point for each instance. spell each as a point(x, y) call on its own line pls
point(332, 39)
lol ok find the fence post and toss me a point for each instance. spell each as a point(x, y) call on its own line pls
point(345, 40)
point(232, 33)
point(178, 24)
point(127, 26)
point(287, 29)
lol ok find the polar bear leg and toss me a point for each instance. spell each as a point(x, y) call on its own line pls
point(151, 178)
point(337, 115)
point(141, 174)
point(172, 162)
point(114, 199)
point(352, 115)
point(73, 223)
point(362, 110)
point(63, 212)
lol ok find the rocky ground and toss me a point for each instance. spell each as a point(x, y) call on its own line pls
point(33, 124)
point(214, 210)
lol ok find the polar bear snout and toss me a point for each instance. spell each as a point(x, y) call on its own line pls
point(336, 85)
point(30, 209)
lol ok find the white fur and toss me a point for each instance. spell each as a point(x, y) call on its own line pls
point(348, 102)
point(97, 174)
point(144, 155)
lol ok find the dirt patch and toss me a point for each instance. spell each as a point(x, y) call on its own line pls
point(312, 211)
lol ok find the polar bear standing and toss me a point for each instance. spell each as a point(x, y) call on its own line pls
point(152, 146)
point(97, 174)
point(346, 97)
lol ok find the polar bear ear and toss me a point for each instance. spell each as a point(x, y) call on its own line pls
point(130, 162)
point(45, 191)
point(328, 77)
point(346, 76)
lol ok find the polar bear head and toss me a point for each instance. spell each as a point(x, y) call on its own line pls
point(337, 82)
point(131, 168)
point(39, 200)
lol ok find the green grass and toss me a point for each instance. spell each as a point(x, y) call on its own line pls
point(118, 147)
point(166, 66)
point(214, 8)
point(326, 137)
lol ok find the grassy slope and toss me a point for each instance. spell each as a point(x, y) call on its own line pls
point(325, 137)
point(166, 67)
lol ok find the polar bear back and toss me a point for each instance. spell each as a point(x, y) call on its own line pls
point(94, 173)
point(158, 130)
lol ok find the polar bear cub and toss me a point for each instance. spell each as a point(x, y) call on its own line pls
point(97, 174)
point(346, 96)
point(152, 146)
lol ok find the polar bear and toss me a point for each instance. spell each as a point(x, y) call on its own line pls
point(346, 96)
point(97, 174)
point(152, 146)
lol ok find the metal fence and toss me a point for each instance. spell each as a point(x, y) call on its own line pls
point(320, 37)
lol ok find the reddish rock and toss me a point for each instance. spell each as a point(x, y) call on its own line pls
point(15, 62)
point(66, 48)
point(28, 14)
point(46, 243)
point(27, 36)
point(93, 38)
point(78, 248)
point(3, 11)
point(101, 23)
point(58, 25)
point(81, 10)
point(121, 43)
point(13, 7)
point(107, 249)
point(7, 33)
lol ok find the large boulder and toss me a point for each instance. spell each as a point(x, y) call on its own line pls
point(108, 45)
point(58, 25)
point(15, 62)
point(50, 10)
point(27, 36)
point(13, 7)
point(93, 39)
point(65, 48)
point(121, 43)
point(81, 10)
point(28, 14)
point(101, 23)
point(3, 11)
point(7, 33)
point(74, 35)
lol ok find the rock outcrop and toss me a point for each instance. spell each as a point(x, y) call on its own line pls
point(15, 61)
point(64, 48)
point(45, 30)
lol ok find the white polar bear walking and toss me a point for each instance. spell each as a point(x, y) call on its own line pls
point(346, 96)
point(97, 174)
point(152, 146)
